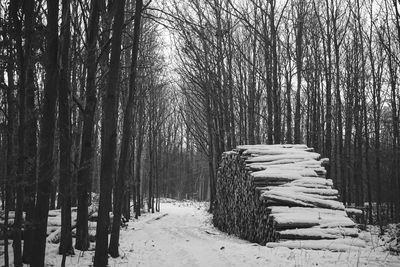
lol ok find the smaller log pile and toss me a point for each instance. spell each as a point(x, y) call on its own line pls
point(54, 223)
point(278, 195)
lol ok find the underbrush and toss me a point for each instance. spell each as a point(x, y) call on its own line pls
point(391, 238)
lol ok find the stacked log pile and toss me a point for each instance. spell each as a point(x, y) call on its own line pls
point(54, 223)
point(278, 195)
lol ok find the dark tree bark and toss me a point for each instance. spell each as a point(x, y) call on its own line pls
point(133, 165)
point(364, 117)
point(10, 172)
point(150, 196)
point(376, 97)
point(328, 78)
point(65, 133)
point(86, 159)
point(395, 125)
point(20, 175)
point(288, 78)
point(46, 137)
point(339, 140)
point(299, 66)
point(230, 88)
point(139, 144)
point(252, 90)
point(30, 133)
point(109, 138)
point(347, 133)
point(126, 134)
point(211, 156)
point(275, 74)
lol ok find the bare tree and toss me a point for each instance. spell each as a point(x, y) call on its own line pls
point(126, 134)
point(87, 150)
point(64, 122)
point(46, 138)
point(109, 138)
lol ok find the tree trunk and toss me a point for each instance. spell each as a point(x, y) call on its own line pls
point(299, 66)
point(65, 134)
point(109, 138)
point(87, 145)
point(139, 144)
point(10, 172)
point(252, 90)
point(20, 175)
point(275, 90)
point(288, 79)
point(347, 137)
point(46, 137)
point(339, 142)
point(30, 133)
point(376, 97)
point(126, 135)
point(395, 125)
point(328, 79)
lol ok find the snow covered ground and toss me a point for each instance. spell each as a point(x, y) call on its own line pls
point(182, 235)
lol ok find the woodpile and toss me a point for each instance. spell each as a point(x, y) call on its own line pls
point(54, 223)
point(278, 194)
point(54, 233)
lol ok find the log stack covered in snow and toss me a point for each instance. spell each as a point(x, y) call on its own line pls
point(54, 223)
point(278, 194)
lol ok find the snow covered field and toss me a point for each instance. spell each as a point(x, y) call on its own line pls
point(182, 235)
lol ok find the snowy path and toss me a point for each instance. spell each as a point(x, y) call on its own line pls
point(182, 235)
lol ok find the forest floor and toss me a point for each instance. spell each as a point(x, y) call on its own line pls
point(182, 235)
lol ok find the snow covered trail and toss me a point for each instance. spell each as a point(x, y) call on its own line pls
point(182, 235)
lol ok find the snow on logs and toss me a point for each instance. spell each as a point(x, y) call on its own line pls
point(54, 223)
point(278, 194)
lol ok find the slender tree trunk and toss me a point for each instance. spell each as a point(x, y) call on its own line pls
point(126, 134)
point(46, 138)
point(252, 90)
point(275, 90)
point(288, 79)
point(151, 164)
point(30, 133)
point(230, 88)
point(339, 142)
point(10, 172)
point(65, 133)
point(376, 96)
point(395, 115)
point(76, 115)
point(328, 78)
point(139, 144)
point(109, 138)
point(211, 155)
point(347, 139)
point(87, 150)
point(269, 89)
point(367, 161)
point(20, 174)
point(395, 123)
point(299, 67)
